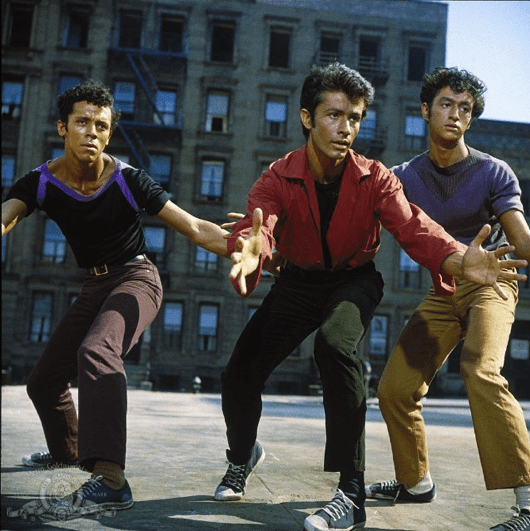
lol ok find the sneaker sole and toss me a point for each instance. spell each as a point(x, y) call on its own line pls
point(308, 526)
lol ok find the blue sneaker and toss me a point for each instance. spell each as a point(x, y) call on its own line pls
point(393, 490)
point(339, 514)
point(44, 460)
point(234, 482)
point(520, 521)
point(93, 497)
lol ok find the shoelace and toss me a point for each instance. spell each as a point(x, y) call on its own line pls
point(90, 486)
point(518, 522)
point(337, 507)
point(235, 476)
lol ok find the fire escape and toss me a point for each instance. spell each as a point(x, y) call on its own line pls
point(150, 122)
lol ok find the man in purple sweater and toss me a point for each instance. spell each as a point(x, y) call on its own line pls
point(462, 189)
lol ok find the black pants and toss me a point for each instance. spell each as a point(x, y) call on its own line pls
point(340, 306)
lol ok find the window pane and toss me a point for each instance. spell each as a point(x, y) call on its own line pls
point(54, 244)
point(208, 320)
point(279, 49)
point(41, 317)
point(8, 170)
point(173, 316)
point(160, 167)
point(67, 82)
point(21, 20)
point(378, 335)
point(212, 179)
point(414, 126)
point(76, 30)
point(171, 34)
point(155, 239)
point(130, 28)
point(417, 63)
point(166, 104)
point(205, 260)
point(124, 94)
point(222, 42)
point(12, 92)
point(276, 111)
point(368, 125)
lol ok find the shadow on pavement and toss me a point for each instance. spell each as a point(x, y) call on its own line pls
point(183, 514)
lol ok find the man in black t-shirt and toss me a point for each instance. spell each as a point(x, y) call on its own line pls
point(96, 200)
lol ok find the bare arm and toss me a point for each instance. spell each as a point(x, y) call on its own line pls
point(483, 267)
point(517, 232)
point(199, 231)
point(13, 210)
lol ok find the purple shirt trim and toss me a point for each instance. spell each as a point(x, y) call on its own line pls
point(47, 176)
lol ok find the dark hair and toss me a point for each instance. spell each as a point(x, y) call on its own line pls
point(458, 81)
point(91, 91)
point(333, 77)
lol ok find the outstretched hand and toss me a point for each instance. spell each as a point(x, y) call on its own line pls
point(484, 267)
point(247, 254)
point(230, 224)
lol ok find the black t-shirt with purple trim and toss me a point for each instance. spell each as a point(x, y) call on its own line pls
point(104, 227)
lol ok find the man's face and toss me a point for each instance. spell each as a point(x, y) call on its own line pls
point(336, 124)
point(88, 131)
point(449, 116)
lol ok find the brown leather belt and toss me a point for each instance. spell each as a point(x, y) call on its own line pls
point(105, 269)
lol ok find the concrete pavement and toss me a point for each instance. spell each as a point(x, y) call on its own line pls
point(176, 458)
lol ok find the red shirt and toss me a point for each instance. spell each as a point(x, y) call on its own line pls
point(370, 196)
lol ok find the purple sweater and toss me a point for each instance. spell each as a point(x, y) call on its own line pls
point(465, 196)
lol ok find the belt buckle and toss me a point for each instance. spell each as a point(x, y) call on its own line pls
point(100, 270)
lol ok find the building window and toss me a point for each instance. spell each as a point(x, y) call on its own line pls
point(279, 48)
point(414, 132)
point(41, 320)
point(171, 34)
point(368, 129)
point(76, 28)
point(329, 49)
point(418, 61)
point(166, 105)
point(208, 327)
point(205, 260)
point(172, 331)
point(8, 171)
point(217, 112)
point(21, 18)
point(155, 239)
point(160, 169)
point(54, 243)
point(409, 272)
point(379, 335)
point(66, 82)
point(369, 55)
point(124, 96)
point(12, 92)
point(130, 28)
point(212, 178)
point(276, 116)
point(222, 42)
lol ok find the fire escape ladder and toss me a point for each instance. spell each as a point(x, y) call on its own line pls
point(135, 144)
point(145, 77)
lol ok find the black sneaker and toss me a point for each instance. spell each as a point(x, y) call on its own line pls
point(340, 513)
point(44, 460)
point(520, 521)
point(392, 490)
point(234, 482)
point(93, 497)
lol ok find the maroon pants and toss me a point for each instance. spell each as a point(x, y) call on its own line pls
point(89, 343)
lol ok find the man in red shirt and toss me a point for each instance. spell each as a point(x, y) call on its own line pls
point(323, 207)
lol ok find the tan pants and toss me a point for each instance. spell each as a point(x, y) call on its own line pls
point(480, 317)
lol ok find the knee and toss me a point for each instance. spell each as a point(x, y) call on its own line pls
point(328, 344)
